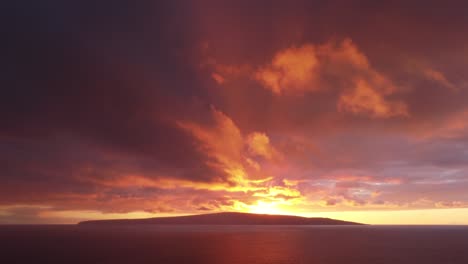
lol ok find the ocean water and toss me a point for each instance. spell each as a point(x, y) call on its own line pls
point(234, 244)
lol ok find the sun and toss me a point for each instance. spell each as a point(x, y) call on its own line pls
point(264, 207)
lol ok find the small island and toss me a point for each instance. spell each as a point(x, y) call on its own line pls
point(229, 218)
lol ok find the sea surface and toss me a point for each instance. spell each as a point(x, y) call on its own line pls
point(234, 244)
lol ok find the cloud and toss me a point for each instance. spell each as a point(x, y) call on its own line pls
point(332, 67)
point(439, 78)
point(223, 143)
point(287, 108)
point(453, 126)
point(291, 70)
point(218, 78)
point(259, 145)
point(364, 100)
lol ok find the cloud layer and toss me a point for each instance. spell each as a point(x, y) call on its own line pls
point(133, 110)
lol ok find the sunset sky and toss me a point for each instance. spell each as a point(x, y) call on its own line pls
point(354, 110)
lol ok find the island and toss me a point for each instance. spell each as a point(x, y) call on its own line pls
point(228, 218)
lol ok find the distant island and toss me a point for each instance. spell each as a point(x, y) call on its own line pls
point(224, 219)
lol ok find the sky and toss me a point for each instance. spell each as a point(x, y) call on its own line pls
point(355, 110)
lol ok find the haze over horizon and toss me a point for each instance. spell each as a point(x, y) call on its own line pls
point(355, 111)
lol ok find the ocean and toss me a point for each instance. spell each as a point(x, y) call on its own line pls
point(70, 244)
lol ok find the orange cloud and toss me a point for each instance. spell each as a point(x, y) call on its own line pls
point(440, 78)
point(234, 156)
point(223, 143)
point(222, 73)
point(366, 179)
point(231, 152)
point(333, 66)
point(218, 78)
point(452, 126)
point(291, 70)
point(365, 100)
point(345, 53)
point(428, 71)
point(259, 145)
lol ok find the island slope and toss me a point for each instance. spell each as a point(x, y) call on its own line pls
point(223, 219)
